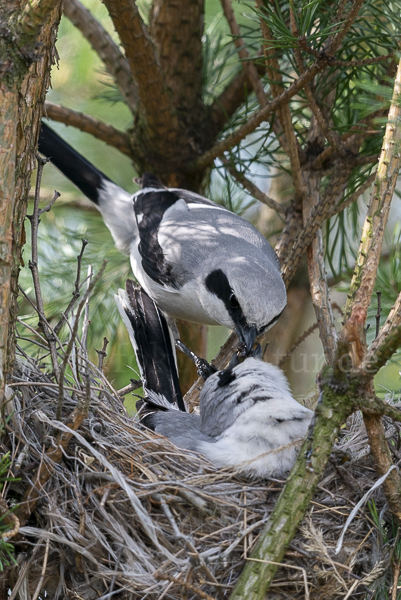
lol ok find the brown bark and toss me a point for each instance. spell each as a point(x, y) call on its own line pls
point(22, 89)
point(176, 27)
point(102, 131)
point(9, 118)
point(158, 120)
point(115, 62)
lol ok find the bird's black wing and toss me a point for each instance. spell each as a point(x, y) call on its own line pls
point(73, 165)
point(153, 349)
point(150, 208)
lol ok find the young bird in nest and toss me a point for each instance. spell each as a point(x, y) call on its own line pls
point(247, 418)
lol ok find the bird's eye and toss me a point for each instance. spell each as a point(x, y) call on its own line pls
point(233, 301)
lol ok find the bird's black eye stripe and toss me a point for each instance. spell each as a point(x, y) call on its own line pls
point(218, 284)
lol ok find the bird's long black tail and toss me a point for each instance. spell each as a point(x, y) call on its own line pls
point(73, 165)
point(151, 340)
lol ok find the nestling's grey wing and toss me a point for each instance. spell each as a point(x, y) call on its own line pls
point(181, 428)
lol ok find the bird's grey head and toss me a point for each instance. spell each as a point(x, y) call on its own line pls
point(230, 392)
point(250, 296)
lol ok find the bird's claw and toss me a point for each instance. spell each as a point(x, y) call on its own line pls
point(203, 368)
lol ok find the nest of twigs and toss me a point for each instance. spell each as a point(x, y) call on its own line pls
point(125, 513)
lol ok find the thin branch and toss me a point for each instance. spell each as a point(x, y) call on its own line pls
point(366, 160)
point(76, 292)
point(362, 62)
point(376, 219)
point(101, 131)
point(383, 462)
point(359, 130)
point(252, 188)
point(48, 207)
point(321, 298)
point(155, 100)
point(131, 387)
point(342, 63)
point(289, 234)
point(33, 265)
point(330, 134)
point(102, 354)
point(353, 197)
point(116, 63)
point(386, 343)
point(235, 138)
point(284, 113)
point(379, 310)
point(246, 64)
point(317, 273)
point(230, 99)
point(349, 19)
point(73, 337)
point(297, 343)
point(318, 214)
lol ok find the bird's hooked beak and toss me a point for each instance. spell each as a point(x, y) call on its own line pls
point(247, 335)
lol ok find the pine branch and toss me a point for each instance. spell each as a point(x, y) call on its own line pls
point(338, 208)
point(237, 136)
point(317, 273)
point(231, 98)
point(248, 66)
point(332, 411)
point(101, 131)
point(289, 234)
point(319, 213)
point(284, 113)
point(252, 188)
point(349, 20)
point(386, 343)
point(156, 105)
point(351, 139)
point(376, 219)
point(102, 43)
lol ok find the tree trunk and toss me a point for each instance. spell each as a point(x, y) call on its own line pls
point(26, 58)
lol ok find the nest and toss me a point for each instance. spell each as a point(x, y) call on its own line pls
point(125, 513)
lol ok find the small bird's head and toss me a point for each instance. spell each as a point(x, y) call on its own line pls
point(249, 298)
point(230, 392)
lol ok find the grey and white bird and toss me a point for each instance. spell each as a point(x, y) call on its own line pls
point(197, 260)
point(247, 418)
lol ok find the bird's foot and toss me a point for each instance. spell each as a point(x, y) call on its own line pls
point(203, 368)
